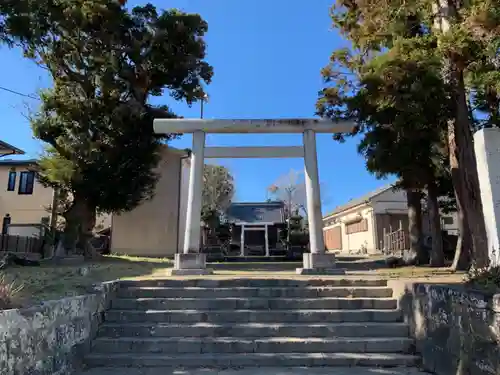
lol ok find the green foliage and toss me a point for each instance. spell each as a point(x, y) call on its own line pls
point(487, 279)
point(455, 39)
point(401, 107)
point(106, 63)
point(299, 236)
point(218, 191)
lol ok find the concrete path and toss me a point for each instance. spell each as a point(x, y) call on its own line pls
point(259, 371)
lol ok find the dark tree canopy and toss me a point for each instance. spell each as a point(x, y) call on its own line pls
point(106, 62)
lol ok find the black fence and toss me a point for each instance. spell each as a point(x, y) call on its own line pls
point(21, 244)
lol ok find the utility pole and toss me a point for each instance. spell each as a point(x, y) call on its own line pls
point(203, 100)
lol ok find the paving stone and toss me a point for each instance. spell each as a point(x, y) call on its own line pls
point(258, 371)
point(252, 345)
point(193, 323)
point(252, 303)
point(243, 316)
point(344, 329)
point(254, 292)
point(251, 359)
point(256, 283)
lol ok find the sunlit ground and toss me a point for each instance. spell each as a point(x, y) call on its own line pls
point(56, 281)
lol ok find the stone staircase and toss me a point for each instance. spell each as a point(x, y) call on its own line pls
point(253, 322)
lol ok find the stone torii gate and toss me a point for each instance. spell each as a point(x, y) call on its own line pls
point(191, 261)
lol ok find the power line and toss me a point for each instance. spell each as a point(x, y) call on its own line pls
point(19, 93)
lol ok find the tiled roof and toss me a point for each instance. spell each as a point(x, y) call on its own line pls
point(263, 212)
point(358, 201)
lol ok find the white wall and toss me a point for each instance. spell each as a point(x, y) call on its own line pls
point(354, 242)
point(487, 149)
point(24, 230)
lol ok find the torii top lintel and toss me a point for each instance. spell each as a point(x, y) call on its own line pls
point(165, 126)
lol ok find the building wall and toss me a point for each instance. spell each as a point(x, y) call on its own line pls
point(23, 208)
point(151, 229)
point(355, 226)
point(387, 212)
point(390, 202)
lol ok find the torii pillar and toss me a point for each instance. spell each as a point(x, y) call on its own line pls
point(191, 261)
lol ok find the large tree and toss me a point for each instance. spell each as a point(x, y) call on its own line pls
point(401, 107)
point(106, 63)
point(218, 192)
point(291, 190)
point(463, 36)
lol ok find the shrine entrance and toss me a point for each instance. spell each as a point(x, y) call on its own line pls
point(191, 261)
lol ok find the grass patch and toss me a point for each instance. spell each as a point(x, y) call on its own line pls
point(412, 271)
point(486, 280)
point(9, 292)
point(50, 281)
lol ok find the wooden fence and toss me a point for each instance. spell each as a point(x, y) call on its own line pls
point(395, 242)
point(21, 244)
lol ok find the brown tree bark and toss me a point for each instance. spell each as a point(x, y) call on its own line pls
point(462, 259)
point(86, 233)
point(437, 253)
point(460, 143)
point(464, 172)
point(80, 221)
point(417, 251)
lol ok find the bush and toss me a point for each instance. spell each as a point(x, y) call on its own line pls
point(8, 292)
point(487, 279)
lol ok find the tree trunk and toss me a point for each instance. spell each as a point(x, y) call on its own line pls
point(417, 251)
point(71, 228)
point(437, 254)
point(462, 158)
point(80, 221)
point(464, 174)
point(462, 259)
point(88, 224)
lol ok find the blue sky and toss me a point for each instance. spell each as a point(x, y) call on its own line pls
point(267, 57)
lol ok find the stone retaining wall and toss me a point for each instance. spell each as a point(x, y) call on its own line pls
point(456, 331)
point(52, 338)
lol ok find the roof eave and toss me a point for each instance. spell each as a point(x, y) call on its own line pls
point(11, 150)
point(335, 213)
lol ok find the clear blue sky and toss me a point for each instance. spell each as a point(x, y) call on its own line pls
point(267, 56)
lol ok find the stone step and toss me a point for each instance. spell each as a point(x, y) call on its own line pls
point(256, 292)
point(253, 303)
point(183, 345)
point(250, 360)
point(353, 329)
point(255, 283)
point(246, 316)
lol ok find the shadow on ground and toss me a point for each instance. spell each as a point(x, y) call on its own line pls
point(259, 371)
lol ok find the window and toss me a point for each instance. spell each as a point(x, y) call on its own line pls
point(26, 182)
point(11, 185)
point(359, 226)
point(448, 220)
